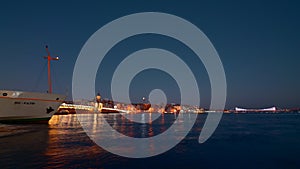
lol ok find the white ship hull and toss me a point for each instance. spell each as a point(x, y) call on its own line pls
point(19, 106)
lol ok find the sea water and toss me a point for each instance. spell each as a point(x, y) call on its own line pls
point(240, 141)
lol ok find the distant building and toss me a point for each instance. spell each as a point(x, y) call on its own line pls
point(271, 109)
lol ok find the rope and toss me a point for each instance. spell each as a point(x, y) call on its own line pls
point(40, 77)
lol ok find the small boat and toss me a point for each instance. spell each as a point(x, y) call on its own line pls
point(107, 110)
point(67, 107)
point(32, 107)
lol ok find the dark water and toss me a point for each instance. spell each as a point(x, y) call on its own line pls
point(240, 141)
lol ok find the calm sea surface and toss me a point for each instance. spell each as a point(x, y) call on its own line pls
point(240, 141)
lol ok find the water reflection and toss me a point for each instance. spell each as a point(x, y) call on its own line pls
point(63, 142)
point(146, 128)
point(68, 142)
point(117, 134)
point(246, 138)
point(23, 145)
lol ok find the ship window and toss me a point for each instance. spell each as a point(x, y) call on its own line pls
point(57, 98)
point(4, 94)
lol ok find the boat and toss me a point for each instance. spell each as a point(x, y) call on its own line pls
point(22, 106)
point(30, 107)
point(67, 107)
point(107, 110)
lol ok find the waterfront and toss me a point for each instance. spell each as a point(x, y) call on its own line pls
point(240, 141)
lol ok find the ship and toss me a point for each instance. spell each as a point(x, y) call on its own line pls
point(22, 106)
point(30, 107)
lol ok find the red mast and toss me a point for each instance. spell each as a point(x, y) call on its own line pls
point(49, 58)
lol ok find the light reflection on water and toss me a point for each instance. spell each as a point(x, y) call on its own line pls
point(63, 141)
point(241, 141)
point(67, 142)
point(103, 129)
point(118, 122)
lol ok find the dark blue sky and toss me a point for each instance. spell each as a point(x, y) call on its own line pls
point(258, 43)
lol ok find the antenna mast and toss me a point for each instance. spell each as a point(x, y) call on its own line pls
point(49, 58)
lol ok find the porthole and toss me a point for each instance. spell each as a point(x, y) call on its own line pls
point(4, 94)
point(57, 98)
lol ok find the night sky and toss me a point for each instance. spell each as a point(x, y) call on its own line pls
point(258, 43)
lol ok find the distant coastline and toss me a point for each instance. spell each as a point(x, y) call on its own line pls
point(69, 107)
